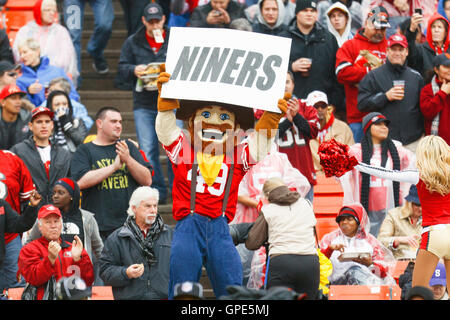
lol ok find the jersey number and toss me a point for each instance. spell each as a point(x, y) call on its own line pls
point(221, 180)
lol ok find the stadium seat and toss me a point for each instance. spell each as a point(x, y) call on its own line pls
point(399, 269)
point(327, 187)
point(20, 4)
point(16, 19)
point(327, 206)
point(325, 225)
point(102, 293)
point(12, 36)
point(364, 292)
point(15, 293)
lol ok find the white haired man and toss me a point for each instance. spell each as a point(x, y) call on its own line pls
point(135, 258)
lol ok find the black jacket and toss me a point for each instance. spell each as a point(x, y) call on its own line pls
point(122, 250)
point(406, 118)
point(136, 51)
point(262, 28)
point(320, 46)
point(59, 166)
point(12, 222)
point(198, 18)
point(21, 130)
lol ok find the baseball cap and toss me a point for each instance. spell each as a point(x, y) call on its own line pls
point(304, 4)
point(379, 17)
point(413, 196)
point(397, 39)
point(8, 66)
point(189, 290)
point(10, 90)
point(153, 11)
point(439, 276)
point(442, 59)
point(371, 118)
point(315, 97)
point(47, 210)
point(41, 110)
point(347, 212)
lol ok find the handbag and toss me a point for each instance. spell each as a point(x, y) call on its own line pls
point(30, 291)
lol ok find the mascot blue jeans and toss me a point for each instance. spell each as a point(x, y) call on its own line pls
point(198, 241)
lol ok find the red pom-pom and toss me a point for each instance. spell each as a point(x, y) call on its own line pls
point(334, 158)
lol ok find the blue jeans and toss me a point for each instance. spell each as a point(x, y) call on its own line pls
point(198, 241)
point(144, 120)
point(8, 270)
point(73, 11)
point(357, 131)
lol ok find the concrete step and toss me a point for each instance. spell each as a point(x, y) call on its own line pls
point(112, 58)
point(115, 42)
point(96, 99)
point(119, 21)
point(94, 81)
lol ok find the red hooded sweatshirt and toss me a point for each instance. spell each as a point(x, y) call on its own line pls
point(444, 48)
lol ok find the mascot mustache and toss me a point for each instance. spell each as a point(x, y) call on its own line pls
point(212, 139)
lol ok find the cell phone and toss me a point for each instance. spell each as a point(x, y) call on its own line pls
point(217, 13)
point(418, 10)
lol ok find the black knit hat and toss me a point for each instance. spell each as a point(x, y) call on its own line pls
point(304, 4)
point(419, 291)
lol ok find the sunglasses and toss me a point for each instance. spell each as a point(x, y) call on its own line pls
point(320, 106)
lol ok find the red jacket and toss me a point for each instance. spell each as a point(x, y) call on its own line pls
point(37, 269)
point(350, 70)
point(431, 104)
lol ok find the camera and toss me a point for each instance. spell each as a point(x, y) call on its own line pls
point(418, 10)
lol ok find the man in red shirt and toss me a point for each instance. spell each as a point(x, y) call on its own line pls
point(356, 57)
point(435, 99)
point(16, 186)
point(49, 256)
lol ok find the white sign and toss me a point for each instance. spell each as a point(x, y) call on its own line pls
point(230, 66)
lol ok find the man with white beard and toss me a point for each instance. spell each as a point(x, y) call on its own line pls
point(135, 258)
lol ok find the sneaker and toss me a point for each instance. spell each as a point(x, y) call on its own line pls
point(100, 65)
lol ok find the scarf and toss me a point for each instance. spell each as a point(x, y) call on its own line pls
point(148, 243)
point(435, 86)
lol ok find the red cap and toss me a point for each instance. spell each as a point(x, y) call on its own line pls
point(47, 210)
point(41, 110)
point(10, 90)
point(397, 39)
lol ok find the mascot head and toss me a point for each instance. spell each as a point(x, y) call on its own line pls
point(214, 126)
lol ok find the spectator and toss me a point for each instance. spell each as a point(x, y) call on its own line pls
point(79, 110)
point(138, 51)
point(275, 164)
point(69, 131)
point(269, 17)
point(353, 7)
point(296, 129)
point(338, 22)
point(217, 14)
point(5, 47)
point(73, 11)
point(419, 293)
point(241, 24)
point(108, 170)
point(135, 260)
point(443, 8)
point(437, 42)
point(16, 187)
point(66, 197)
point(50, 256)
point(433, 186)
point(400, 230)
point(12, 222)
point(287, 222)
point(394, 90)
point(435, 99)
point(356, 57)
point(8, 76)
point(330, 127)
point(46, 161)
point(377, 196)
point(403, 29)
point(438, 283)
point(313, 54)
point(13, 119)
point(54, 39)
point(289, 11)
point(374, 264)
point(132, 13)
point(37, 73)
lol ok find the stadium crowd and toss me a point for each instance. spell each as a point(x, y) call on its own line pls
point(370, 74)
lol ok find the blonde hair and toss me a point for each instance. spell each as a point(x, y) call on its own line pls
point(433, 162)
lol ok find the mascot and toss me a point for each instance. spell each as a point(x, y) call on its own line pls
point(209, 161)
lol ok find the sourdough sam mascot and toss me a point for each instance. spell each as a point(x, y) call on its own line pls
point(208, 164)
